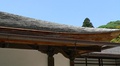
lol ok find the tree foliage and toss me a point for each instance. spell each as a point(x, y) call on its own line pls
point(116, 40)
point(87, 23)
point(113, 25)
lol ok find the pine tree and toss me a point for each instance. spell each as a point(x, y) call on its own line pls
point(87, 23)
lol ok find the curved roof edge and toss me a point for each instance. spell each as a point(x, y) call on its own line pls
point(16, 21)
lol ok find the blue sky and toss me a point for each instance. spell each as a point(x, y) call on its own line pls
point(70, 12)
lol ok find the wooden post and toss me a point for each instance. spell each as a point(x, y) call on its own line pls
point(71, 62)
point(72, 58)
point(50, 60)
point(50, 54)
point(86, 61)
point(99, 61)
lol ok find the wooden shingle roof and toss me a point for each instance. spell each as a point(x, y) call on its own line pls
point(16, 21)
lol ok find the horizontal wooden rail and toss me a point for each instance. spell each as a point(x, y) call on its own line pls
point(28, 39)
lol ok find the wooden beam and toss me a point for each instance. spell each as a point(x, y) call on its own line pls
point(101, 55)
point(25, 39)
point(79, 36)
point(88, 48)
point(59, 49)
point(17, 46)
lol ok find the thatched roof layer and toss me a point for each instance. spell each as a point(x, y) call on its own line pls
point(11, 20)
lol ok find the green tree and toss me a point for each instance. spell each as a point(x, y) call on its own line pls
point(111, 25)
point(87, 23)
point(118, 27)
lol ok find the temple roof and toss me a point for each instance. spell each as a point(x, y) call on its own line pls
point(15, 29)
point(11, 20)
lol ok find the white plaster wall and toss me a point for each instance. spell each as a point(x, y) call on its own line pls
point(60, 60)
point(20, 57)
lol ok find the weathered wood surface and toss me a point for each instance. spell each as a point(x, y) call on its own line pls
point(105, 36)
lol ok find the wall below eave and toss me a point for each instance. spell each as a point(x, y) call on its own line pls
point(60, 60)
point(20, 57)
